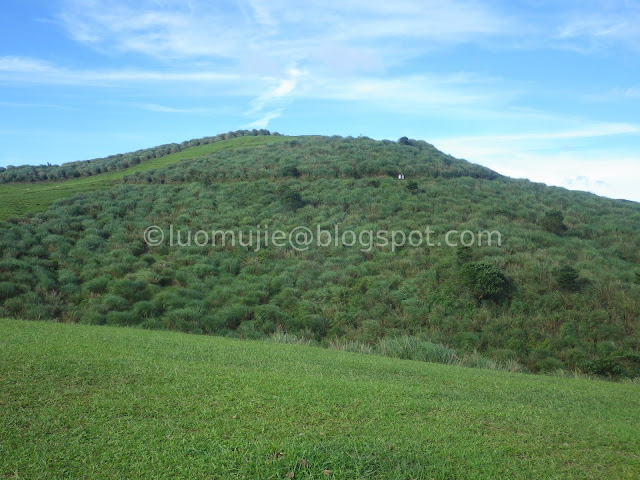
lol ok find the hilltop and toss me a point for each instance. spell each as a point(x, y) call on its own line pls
point(560, 291)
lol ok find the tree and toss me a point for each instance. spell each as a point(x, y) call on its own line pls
point(567, 277)
point(553, 222)
point(486, 281)
point(404, 141)
point(290, 171)
point(290, 198)
point(464, 254)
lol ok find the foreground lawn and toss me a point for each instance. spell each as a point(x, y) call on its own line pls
point(22, 199)
point(100, 402)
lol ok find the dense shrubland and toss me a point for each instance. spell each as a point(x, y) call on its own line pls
point(562, 292)
point(113, 163)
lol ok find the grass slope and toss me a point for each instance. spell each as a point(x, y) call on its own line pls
point(21, 199)
point(101, 402)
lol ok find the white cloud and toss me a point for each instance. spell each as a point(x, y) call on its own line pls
point(277, 95)
point(545, 157)
point(263, 122)
point(590, 131)
point(23, 65)
point(628, 93)
point(602, 25)
point(23, 69)
point(152, 107)
point(278, 28)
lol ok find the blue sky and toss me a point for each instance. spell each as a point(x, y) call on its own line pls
point(538, 89)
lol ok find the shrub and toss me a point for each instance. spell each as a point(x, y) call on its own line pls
point(184, 320)
point(8, 290)
point(290, 171)
point(464, 254)
point(97, 285)
point(290, 198)
point(231, 317)
point(112, 303)
point(146, 309)
point(567, 277)
point(272, 314)
point(486, 281)
point(131, 290)
point(548, 365)
point(553, 222)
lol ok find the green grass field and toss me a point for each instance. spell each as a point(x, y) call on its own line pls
point(21, 199)
point(100, 402)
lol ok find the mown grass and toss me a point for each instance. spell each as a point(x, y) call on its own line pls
point(22, 199)
point(100, 402)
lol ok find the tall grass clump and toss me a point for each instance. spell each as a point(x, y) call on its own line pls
point(412, 348)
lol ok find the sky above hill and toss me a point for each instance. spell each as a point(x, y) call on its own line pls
point(538, 89)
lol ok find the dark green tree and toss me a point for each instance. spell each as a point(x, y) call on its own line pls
point(567, 277)
point(291, 198)
point(464, 254)
point(486, 281)
point(553, 222)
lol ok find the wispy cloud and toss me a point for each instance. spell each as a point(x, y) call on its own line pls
point(602, 25)
point(152, 107)
point(263, 122)
point(29, 70)
point(558, 158)
point(277, 28)
point(590, 131)
point(624, 94)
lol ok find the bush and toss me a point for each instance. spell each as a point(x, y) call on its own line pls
point(231, 317)
point(112, 303)
point(548, 365)
point(184, 320)
point(618, 364)
point(553, 222)
point(8, 290)
point(464, 254)
point(290, 198)
point(131, 290)
point(486, 281)
point(146, 309)
point(567, 277)
point(98, 284)
point(271, 317)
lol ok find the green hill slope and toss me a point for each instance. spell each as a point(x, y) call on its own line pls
point(560, 291)
point(24, 198)
point(95, 402)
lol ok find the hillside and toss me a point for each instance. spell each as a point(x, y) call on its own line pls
point(26, 190)
point(561, 291)
point(98, 402)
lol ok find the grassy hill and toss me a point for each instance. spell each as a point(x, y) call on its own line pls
point(99, 402)
point(561, 291)
point(24, 198)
